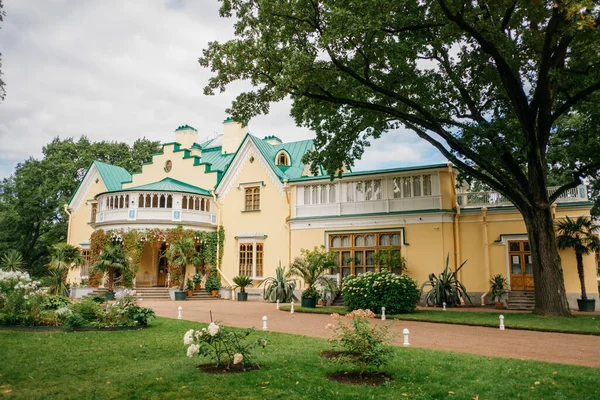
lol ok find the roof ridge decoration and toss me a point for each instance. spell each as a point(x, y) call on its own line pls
point(185, 127)
point(238, 163)
point(272, 137)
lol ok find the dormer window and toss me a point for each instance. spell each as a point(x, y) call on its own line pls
point(283, 159)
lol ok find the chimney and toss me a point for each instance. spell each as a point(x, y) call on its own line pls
point(186, 136)
point(233, 134)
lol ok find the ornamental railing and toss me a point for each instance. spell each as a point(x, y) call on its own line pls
point(493, 199)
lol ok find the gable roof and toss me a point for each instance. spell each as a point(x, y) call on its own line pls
point(112, 176)
point(167, 185)
point(294, 149)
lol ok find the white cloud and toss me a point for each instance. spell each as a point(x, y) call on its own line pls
point(116, 70)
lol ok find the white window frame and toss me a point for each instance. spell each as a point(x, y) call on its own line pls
point(254, 241)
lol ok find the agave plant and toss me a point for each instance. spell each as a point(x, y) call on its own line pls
point(12, 261)
point(279, 287)
point(445, 287)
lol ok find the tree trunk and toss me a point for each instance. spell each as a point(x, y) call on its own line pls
point(581, 274)
point(550, 296)
point(111, 278)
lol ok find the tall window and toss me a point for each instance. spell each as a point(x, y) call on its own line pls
point(252, 198)
point(94, 212)
point(251, 259)
point(86, 254)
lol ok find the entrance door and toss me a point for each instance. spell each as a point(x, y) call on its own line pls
point(163, 271)
point(521, 268)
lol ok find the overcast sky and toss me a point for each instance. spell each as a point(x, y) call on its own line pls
point(121, 70)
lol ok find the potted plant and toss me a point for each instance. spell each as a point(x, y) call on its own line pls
point(242, 281)
point(323, 297)
point(179, 254)
point(189, 285)
point(213, 283)
point(580, 235)
point(498, 282)
point(312, 267)
point(197, 279)
point(111, 259)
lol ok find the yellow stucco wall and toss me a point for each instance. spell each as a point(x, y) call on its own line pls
point(182, 169)
point(270, 220)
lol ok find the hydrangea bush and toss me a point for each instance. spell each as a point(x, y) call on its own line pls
point(223, 346)
point(372, 290)
point(367, 346)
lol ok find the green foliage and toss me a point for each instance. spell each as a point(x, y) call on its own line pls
point(279, 287)
point(63, 257)
point(88, 310)
point(189, 284)
point(31, 215)
point(580, 235)
point(213, 282)
point(111, 259)
point(445, 287)
point(197, 278)
point(498, 283)
point(54, 302)
point(367, 346)
point(180, 253)
point(372, 290)
point(312, 267)
point(224, 346)
point(390, 260)
point(141, 315)
point(242, 282)
point(11, 261)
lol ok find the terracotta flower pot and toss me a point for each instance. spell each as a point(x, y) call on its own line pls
point(214, 293)
point(190, 293)
point(499, 305)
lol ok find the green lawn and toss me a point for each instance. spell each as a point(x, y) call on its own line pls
point(583, 324)
point(151, 363)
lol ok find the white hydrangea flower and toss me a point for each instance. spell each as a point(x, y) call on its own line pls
point(198, 334)
point(188, 338)
point(213, 329)
point(238, 358)
point(193, 349)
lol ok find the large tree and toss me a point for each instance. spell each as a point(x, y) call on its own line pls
point(485, 82)
point(2, 90)
point(31, 200)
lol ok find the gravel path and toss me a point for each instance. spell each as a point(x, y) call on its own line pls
point(543, 346)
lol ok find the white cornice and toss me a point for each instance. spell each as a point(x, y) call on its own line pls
point(84, 187)
point(379, 220)
point(240, 159)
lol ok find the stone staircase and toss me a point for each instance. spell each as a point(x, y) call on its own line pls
point(98, 292)
point(520, 300)
point(339, 300)
point(201, 295)
point(153, 293)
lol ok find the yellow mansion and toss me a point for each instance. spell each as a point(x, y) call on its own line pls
point(271, 207)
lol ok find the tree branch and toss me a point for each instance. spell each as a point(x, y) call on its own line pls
point(566, 106)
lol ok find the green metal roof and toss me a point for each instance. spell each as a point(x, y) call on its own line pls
point(294, 149)
point(185, 127)
point(112, 176)
point(374, 171)
point(169, 185)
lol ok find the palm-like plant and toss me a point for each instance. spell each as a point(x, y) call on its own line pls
point(280, 287)
point(580, 235)
point(180, 254)
point(242, 281)
point(63, 257)
point(445, 287)
point(312, 267)
point(112, 258)
point(12, 261)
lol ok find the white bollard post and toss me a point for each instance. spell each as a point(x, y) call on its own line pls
point(278, 304)
point(405, 333)
point(444, 305)
point(383, 313)
point(264, 323)
point(292, 309)
point(179, 312)
point(501, 322)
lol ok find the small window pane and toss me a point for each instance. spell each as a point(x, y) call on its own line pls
point(514, 246)
point(516, 264)
point(526, 246)
point(345, 241)
point(426, 185)
point(336, 242)
point(396, 188)
point(332, 194)
point(406, 186)
point(370, 240)
point(395, 240)
point(184, 202)
point(141, 201)
point(384, 240)
point(169, 201)
point(359, 241)
point(307, 195)
point(416, 186)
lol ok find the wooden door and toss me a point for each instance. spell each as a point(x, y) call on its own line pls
point(521, 268)
point(163, 271)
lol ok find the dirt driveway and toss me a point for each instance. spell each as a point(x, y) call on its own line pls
point(544, 346)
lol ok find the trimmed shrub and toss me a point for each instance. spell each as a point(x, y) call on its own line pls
point(372, 290)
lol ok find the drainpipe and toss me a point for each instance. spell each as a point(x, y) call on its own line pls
point(456, 216)
point(212, 192)
point(286, 187)
point(486, 253)
point(68, 212)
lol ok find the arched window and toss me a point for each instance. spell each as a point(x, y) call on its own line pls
point(207, 205)
point(141, 201)
point(196, 204)
point(155, 201)
point(202, 207)
point(126, 201)
point(169, 201)
point(282, 158)
point(121, 199)
point(162, 201)
point(148, 201)
point(184, 203)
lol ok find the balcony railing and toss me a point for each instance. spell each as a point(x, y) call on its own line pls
point(493, 199)
point(369, 207)
point(155, 215)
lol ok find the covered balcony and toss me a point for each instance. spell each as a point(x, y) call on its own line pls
point(164, 204)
